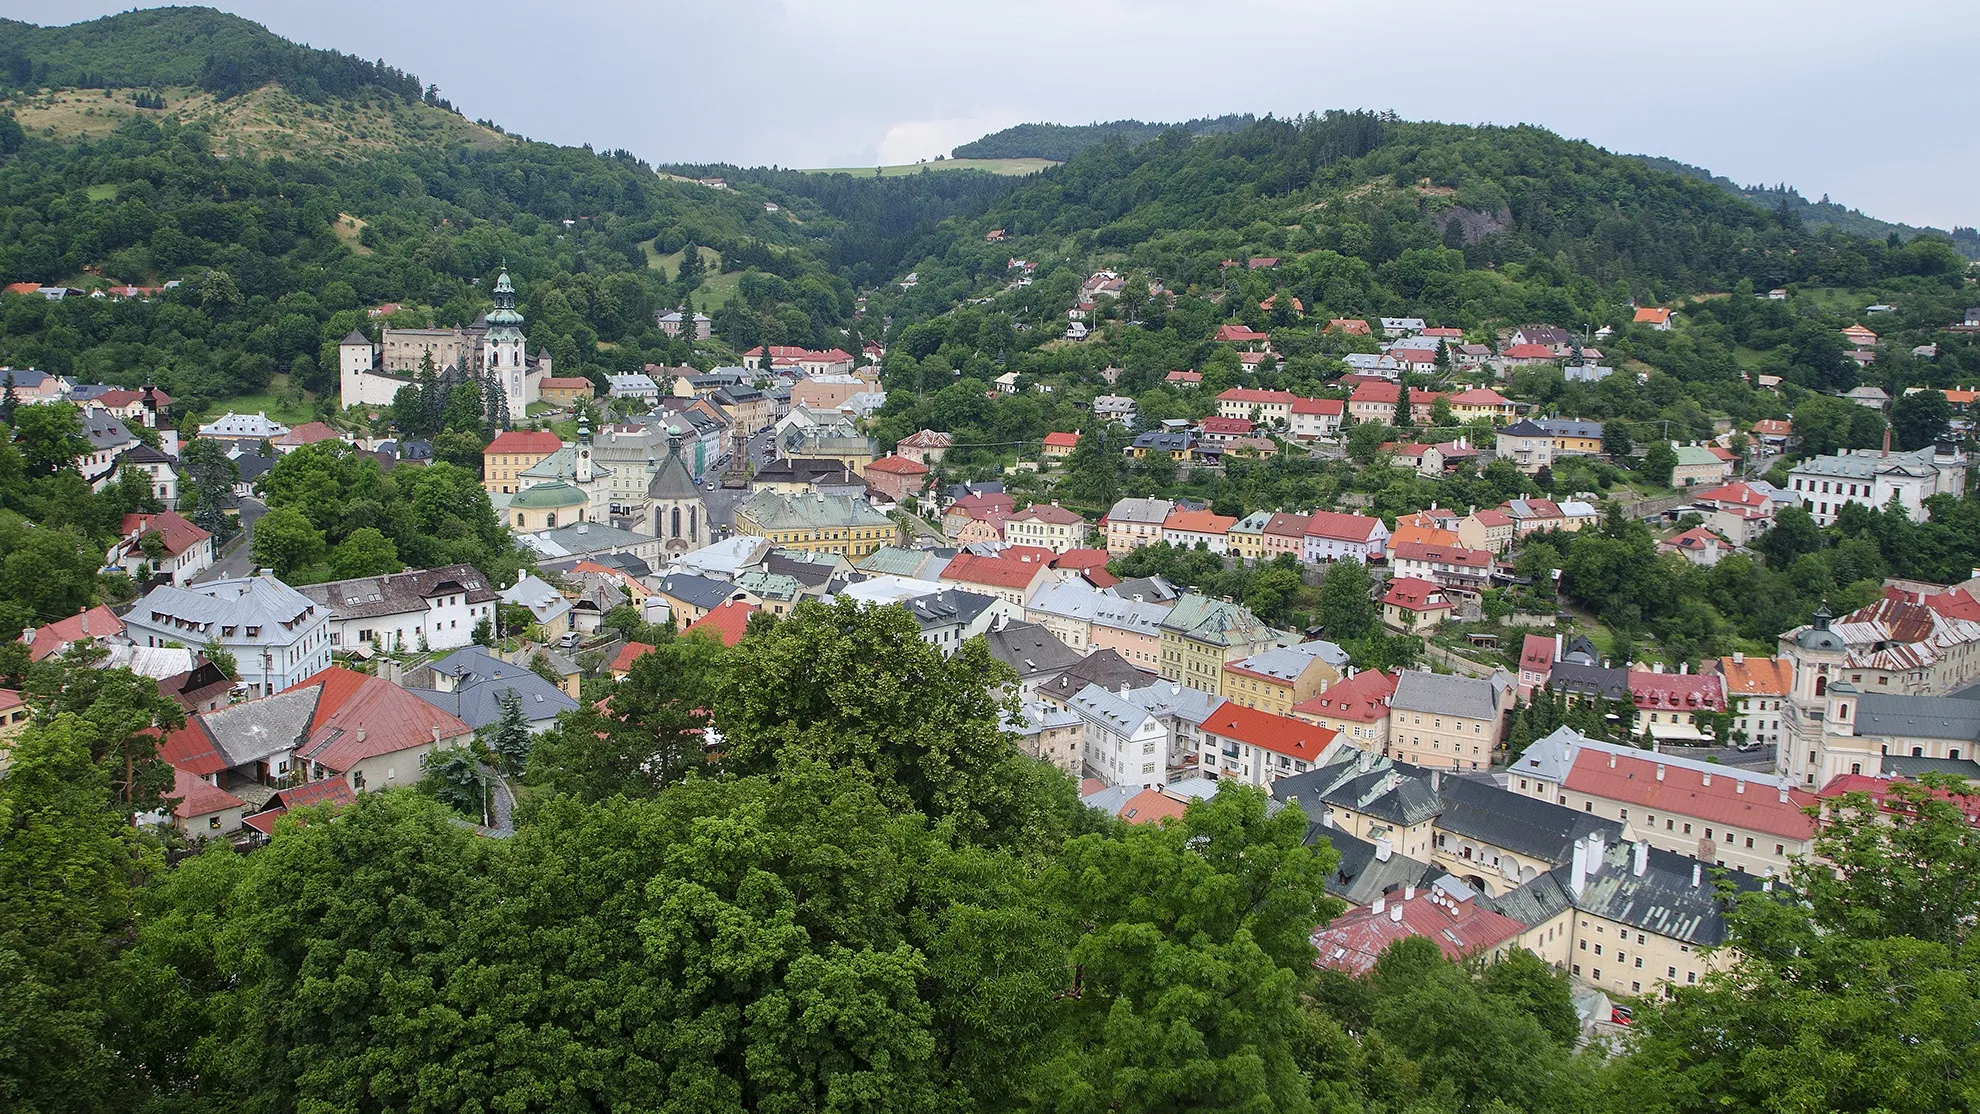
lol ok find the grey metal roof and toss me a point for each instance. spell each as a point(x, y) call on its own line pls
point(1031, 650)
point(1104, 668)
point(1662, 899)
point(478, 703)
point(1516, 822)
point(694, 590)
point(399, 593)
point(250, 732)
point(1537, 902)
point(1919, 717)
point(1899, 765)
point(1569, 427)
point(1575, 679)
point(1445, 695)
point(1154, 589)
point(1169, 699)
point(1150, 511)
point(1862, 464)
point(1362, 876)
point(1109, 710)
point(260, 601)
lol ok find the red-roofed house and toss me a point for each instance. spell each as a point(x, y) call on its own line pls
point(1315, 418)
point(1153, 805)
point(84, 626)
point(928, 446)
point(1527, 355)
point(1697, 545)
point(308, 433)
point(1219, 430)
point(331, 794)
point(372, 733)
point(1357, 708)
point(564, 390)
point(1184, 380)
point(1089, 564)
point(1262, 262)
point(1239, 334)
point(1186, 529)
point(1349, 326)
point(1658, 319)
point(1012, 579)
point(1736, 512)
point(1374, 400)
point(1046, 526)
point(629, 653)
point(1415, 359)
point(185, 549)
point(727, 622)
point(510, 454)
point(1755, 691)
point(897, 477)
point(1452, 567)
point(1878, 789)
point(1536, 662)
point(1334, 535)
point(1257, 405)
point(1415, 605)
point(1773, 431)
point(1352, 942)
point(1490, 529)
point(1272, 303)
point(977, 517)
point(1253, 747)
point(1665, 703)
point(1483, 402)
point(204, 810)
point(1060, 445)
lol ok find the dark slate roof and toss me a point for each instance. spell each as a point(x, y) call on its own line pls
point(142, 453)
point(1920, 717)
point(1387, 790)
point(939, 609)
point(398, 593)
point(803, 469)
point(1662, 899)
point(1905, 766)
point(1105, 668)
point(988, 487)
point(1515, 822)
point(1580, 650)
point(479, 702)
point(1031, 650)
point(1537, 902)
point(811, 574)
point(1525, 427)
point(696, 590)
point(1589, 680)
point(1361, 877)
point(671, 480)
point(1152, 589)
point(253, 465)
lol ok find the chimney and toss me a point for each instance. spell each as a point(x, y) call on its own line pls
point(1395, 914)
point(1739, 657)
point(1578, 869)
point(1684, 668)
point(1612, 760)
point(1327, 818)
point(1409, 893)
point(436, 734)
point(1594, 852)
point(1657, 667)
point(1887, 440)
point(1436, 781)
point(360, 734)
point(1784, 797)
point(1739, 785)
point(1383, 850)
point(1660, 771)
point(1124, 690)
point(1697, 874)
point(1557, 645)
point(1708, 780)
point(1381, 906)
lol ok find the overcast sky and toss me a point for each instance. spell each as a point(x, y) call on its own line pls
point(1868, 103)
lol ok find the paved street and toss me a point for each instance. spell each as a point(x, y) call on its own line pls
point(722, 501)
point(236, 561)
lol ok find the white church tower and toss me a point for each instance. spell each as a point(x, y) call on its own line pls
point(502, 350)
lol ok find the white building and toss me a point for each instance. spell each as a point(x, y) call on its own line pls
point(277, 635)
point(1874, 477)
point(245, 427)
point(425, 609)
point(186, 549)
point(1125, 743)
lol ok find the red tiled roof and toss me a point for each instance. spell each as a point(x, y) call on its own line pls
point(1061, 440)
point(174, 530)
point(1286, 525)
point(388, 718)
point(1696, 538)
point(1479, 396)
point(1318, 406)
point(1773, 427)
point(1536, 654)
point(981, 504)
point(308, 433)
point(1046, 512)
point(1278, 734)
point(97, 622)
point(1736, 494)
point(1442, 331)
point(525, 441)
point(1412, 594)
point(198, 797)
point(1689, 692)
point(726, 622)
point(1183, 377)
point(1153, 806)
point(1879, 791)
point(898, 465)
point(1683, 792)
point(1757, 676)
point(191, 748)
point(557, 383)
point(1530, 352)
point(629, 653)
point(1349, 325)
point(1650, 316)
point(1218, 424)
point(1493, 516)
point(1081, 559)
point(1237, 333)
point(1255, 395)
point(1341, 526)
point(927, 438)
point(1353, 941)
point(994, 572)
point(1440, 554)
point(1262, 262)
point(1198, 522)
point(1364, 697)
point(329, 791)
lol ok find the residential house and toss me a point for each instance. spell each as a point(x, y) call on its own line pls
point(698, 326)
point(1453, 568)
point(1667, 704)
point(308, 433)
point(1218, 430)
point(1536, 662)
point(1529, 445)
point(1123, 742)
point(566, 390)
point(1201, 635)
point(1277, 679)
point(1187, 529)
point(91, 625)
point(277, 635)
point(1348, 326)
point(1239, 334)
point(1032, 652)
point(925, 446)
point(1059, 446)
point(1335, 536)
point(1052, 734)
point(726, 623)
point(1573, 437)
point(1756, 691)
point(1729, 816)
point(1462, 928)
point(1658, 319)
point(1357, 708)
point(1444, 721)
point(688, 597)
point(1393, 327)
point(848, 527)
point(1376, 400)
point(1131, 627)
point(1415, 605)
point(1491, 529)
point(472, 684)
point(1046, 526)
point(1483, 403)
point(1184, 380)
point(423, 609)
point(1258, 406)
point(109, 439)
point(547, 606)
point(180, 551)
point(1133, 523)
point(1533, 515)
point(1701, 464)
point(1253, 747)
point(978, 517)
point(1697, 545)
point(245, 427)
point(1114, 408)
point(897, 477)
point(1859, 337)
point(1547, 336)
point(1315, 418)
point(1104, 668)
point(1012, 576)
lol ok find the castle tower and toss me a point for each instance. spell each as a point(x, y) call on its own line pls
point(674, 505)
point(502, 348)
point(581, 472)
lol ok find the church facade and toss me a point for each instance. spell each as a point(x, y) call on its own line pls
point(492, 349)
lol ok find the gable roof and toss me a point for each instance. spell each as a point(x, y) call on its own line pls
point(1363, 697)
point(1444, 694)
point(399, 593)
point(1278, 734)
point(1031, 649)
point(52, 638)
point(726, 623)
point(358, 717)
point(993, 572)
point(1341, 526)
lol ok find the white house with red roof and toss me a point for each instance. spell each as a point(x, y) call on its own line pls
point(1257, 405)
point(1658, 319)
point(1009, 578)
point(1315, 418)
point(1357, 709)
point(1187, 529)
point(1414, 604)
point(1046, 526)
point(1253, 747)
point(1184, 380)
point(1667, 702)
point(1698, 545)
point(92, 624)
point(183, 549)
point(1447, 566)
point(1737, 512)
point(1336, 535)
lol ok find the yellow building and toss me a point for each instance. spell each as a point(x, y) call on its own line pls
point(1446, 722)
point(1201, 635)
point(508, 456)
point(1277, 679)
point(837, 524)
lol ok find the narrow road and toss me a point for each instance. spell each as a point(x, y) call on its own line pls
point(237, 561)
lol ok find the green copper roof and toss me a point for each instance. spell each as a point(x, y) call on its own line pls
point(547, 496)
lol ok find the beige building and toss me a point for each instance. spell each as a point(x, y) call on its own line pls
point(1277, 679)
point(1357, 708)
point(1490, 529)
point(512, 453)
point(1048, 526)
point(837, 524)
point(1444, 721)
point(1050, 734)
point(1133, 523)
point(1756, 692)
point(1201, 635)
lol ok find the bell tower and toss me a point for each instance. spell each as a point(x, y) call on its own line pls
point(674, 505)
point(502, 348)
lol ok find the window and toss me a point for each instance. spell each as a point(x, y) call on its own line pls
point(1584, 945)
point(1687, 829)
point(1598, 949)
point(1672, 972)
point(1636, 987)
point(213, 823)
point(1639, 961)
point(1691, 976)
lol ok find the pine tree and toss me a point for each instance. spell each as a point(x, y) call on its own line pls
point(432, 397)
point(7, 400)
point(509, 738)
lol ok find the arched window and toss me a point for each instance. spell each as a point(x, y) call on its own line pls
point(676, 524)
point(694, 530)
point(549, 520)
point(1821, 685)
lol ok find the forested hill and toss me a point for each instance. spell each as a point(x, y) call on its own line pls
point(1060, 142)
point(1819, 213)
point(1381, 215)
point(197, 47)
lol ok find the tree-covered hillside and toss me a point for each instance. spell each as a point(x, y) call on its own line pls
point(211, 50)
point(1060, 142)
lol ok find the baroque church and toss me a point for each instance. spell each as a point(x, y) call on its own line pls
point(491, 350)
